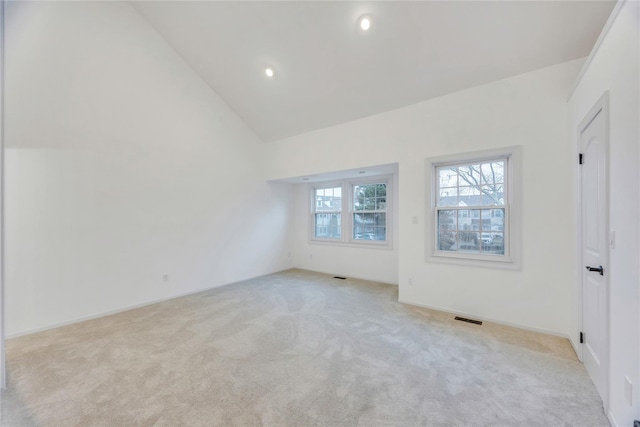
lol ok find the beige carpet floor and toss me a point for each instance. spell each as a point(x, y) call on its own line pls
point(294, 349)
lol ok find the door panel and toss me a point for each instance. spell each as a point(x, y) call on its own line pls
point(594, 252)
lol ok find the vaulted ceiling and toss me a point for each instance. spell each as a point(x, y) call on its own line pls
point(328, 71)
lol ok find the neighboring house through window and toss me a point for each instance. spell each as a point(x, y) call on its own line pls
point(472, 208)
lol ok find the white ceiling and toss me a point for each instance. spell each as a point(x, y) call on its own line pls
point(328, 72)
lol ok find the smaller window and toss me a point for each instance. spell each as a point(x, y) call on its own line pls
point(328, 213)
point(370, 211)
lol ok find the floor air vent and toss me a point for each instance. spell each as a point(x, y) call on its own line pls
point(338, 277)
point(464, 319)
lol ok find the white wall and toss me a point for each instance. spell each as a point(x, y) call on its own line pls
point(615, 68)
point(529, 110)
point(376, 263)
point(123, 166)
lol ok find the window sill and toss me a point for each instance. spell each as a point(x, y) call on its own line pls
point(371, 244)
point(471, 260)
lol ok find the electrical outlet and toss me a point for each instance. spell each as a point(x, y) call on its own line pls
point(310, 256)
point(628, 390)
point(414, 220)
point(612, 239)
point(410, 281)
point(165, 278)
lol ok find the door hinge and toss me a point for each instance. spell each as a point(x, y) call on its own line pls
point(580, 158)
point(581, 337)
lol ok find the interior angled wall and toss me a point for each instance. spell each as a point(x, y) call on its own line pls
point(128, 179)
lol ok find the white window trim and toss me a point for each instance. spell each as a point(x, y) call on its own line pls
point(348, 210)
point(512, 259)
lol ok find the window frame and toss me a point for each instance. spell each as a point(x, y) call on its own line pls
point(314, 211)
point(512, 202)
point(348, 211)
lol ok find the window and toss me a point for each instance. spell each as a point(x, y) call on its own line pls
point(328, 213)
point(370, 211)
point(472, 209)
point(351, 212)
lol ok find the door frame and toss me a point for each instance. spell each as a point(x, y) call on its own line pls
point(601, 105)
point(3, 371)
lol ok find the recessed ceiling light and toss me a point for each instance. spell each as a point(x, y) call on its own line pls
point(305, 179)
point(269, 72)
point(362, 171)
point(365, 22)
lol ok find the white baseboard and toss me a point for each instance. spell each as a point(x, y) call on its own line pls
point(348, 276)
point(126, 308)
point(577, 348)
point(488, 319)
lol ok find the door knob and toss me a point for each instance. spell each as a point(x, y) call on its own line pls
point(599, 269)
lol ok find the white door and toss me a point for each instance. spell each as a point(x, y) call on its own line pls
point(595, 295)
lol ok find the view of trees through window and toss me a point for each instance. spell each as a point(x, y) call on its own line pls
point(369, 216)
point(470, 207)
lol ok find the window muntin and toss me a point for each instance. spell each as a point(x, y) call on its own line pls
point(471, 210)
point(370, 211)
point(328, 213)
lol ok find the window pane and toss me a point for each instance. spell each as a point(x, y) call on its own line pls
point(448, 197)
point(447, 240)
point(485, 219)
point(365, 197)
point(469, 196)
point(468, 241)
point(381, 203)
point(447, 220)
point(493, 173)
point(469, 219)
point(327, 226)
point(492, 195)
point(328, 199)
point(469, 175)
point(494, 244)
point(497, 219)
point(448, 177)
point(369, 226)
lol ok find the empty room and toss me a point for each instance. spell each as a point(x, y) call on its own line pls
point(320, 213)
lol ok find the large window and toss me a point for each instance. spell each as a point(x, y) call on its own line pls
point(351, 212)
point(472, 213)
point(470, 208)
